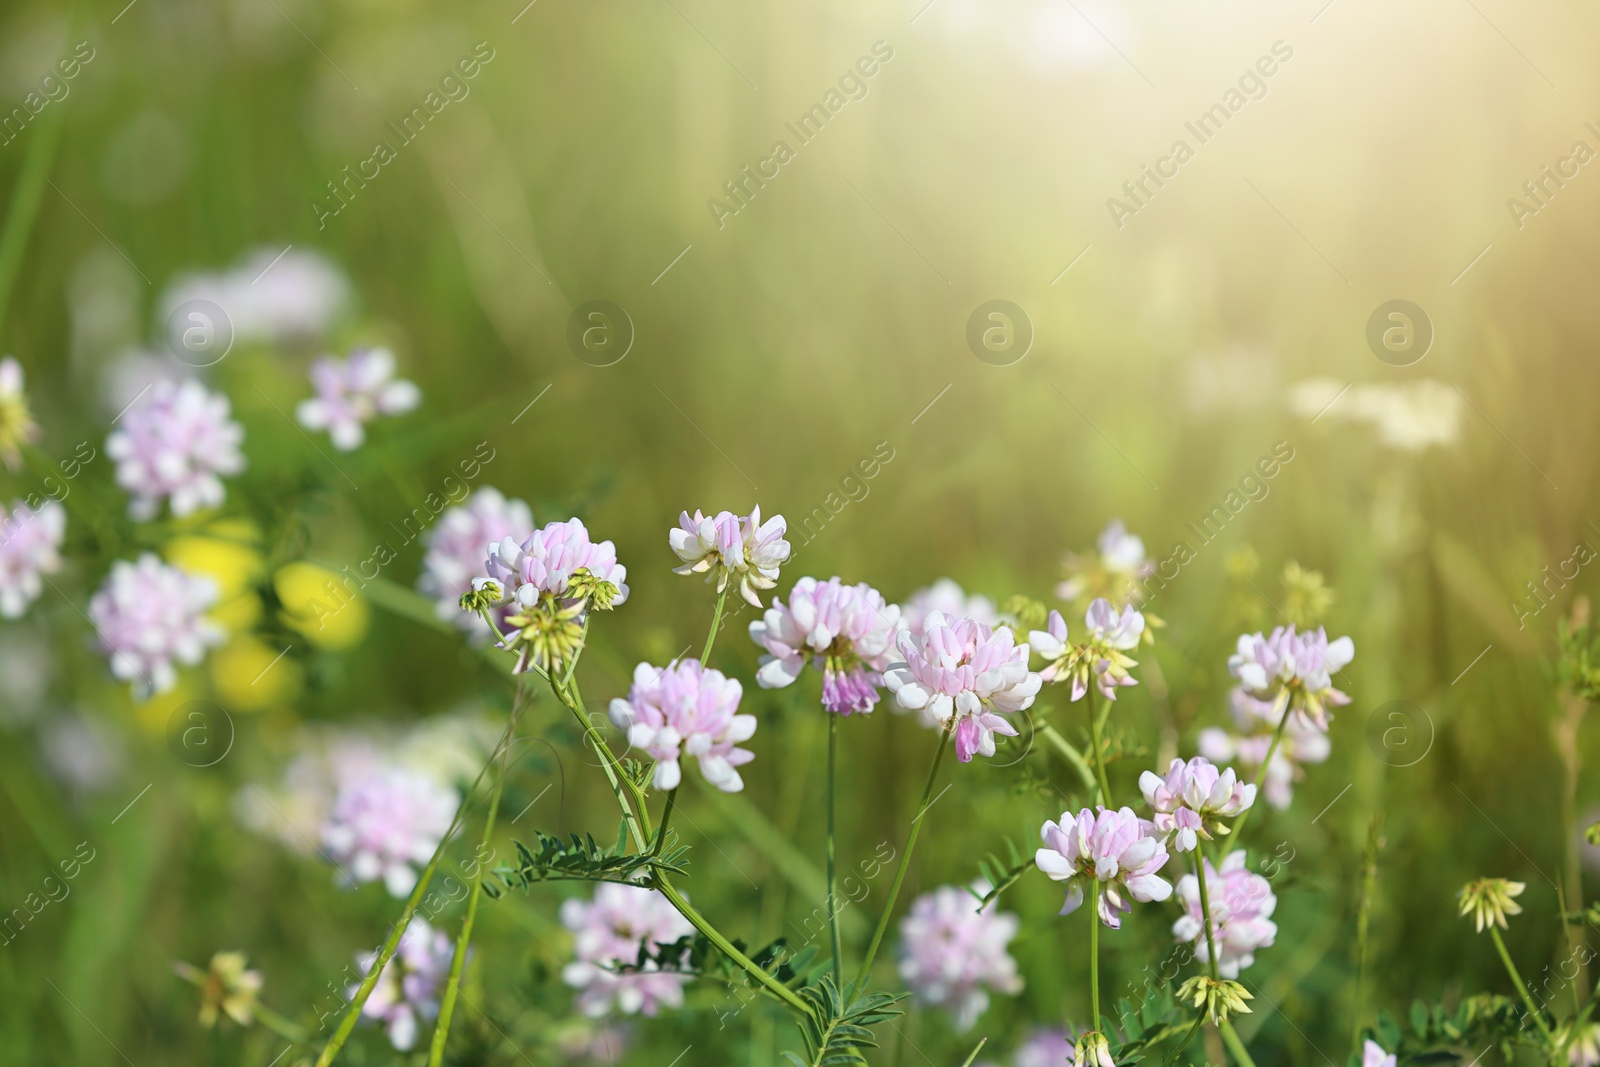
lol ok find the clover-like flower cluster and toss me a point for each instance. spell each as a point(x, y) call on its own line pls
point(551, 580)
point(952, 953)
point(1100, 658)
point(845, 631)
point(174, 443)
point(684, 708)
point(1242, 903)
point(386, 823)
point(1190, 802)
point(456, 547)
point(150, 617)
point(607, 934)
point(352, 392)
point(1293, 671)
point(1115, 848)
point(407, 992)
point(30, 549)
point(1257, 724)
point(963, 676)
point(732, 548)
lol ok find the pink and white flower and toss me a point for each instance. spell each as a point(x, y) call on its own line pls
point(1242, 903)
point(386, 824)
point(963, 676)
point(1113, 571)
point(1100, 657)
point(1257, 722)
point(949, 600)
point(1293, 669)
point(353, 392)
point(1191, 799)
point(685, 708)
point(952, 954)
point(1050, 1047)
point(457, 546)
point(174, 442)
point(149, 616)
point(728, 547)
point(607, 933)
point(30, 548)
point(543, 564)
point(846, 631)
point(1372, 1055)
point(1116, 848)
point(407, 992)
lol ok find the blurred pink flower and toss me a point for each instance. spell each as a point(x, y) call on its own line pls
point(686, 708)
point(960, 675)
point(149, 615)
point(352, 392)
point(951, 954)
point(607, 932)
point(1242, 903)
point(1293, 669)
point(1192, 797)
point(30, 548)
point(386, 824)
point(1117, 848)
point(543, 563)
point(847, 631)
point(457, 546)
point(949, 600)
point(1258, 721)
point(1100, 657)
point(173, 443)
point(1372, 1055)
point(728, 547)
point(407, 992)
point(1047, 1048)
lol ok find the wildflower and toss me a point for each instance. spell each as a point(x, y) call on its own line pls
point(17, 427)
point(274, 296)
point(951, 953)
point(1117, 848)
point(149, 615)
point(1409, 417)
point(1488, 901)
point(1047, 1048)
point(1120, 563)
point(1092, 1050)
point(728, 547)
point(226, 987)
point(960, 675)
point(386, 824)
point(352, 392)
point(173, 443)
point(847, 631)
point(550, 581)
point(1583, 1049)
point(1222, 998)
point(1258, 721)
point(608, 933)
point(1190, 802)
point(687, 708)
point(456, 547)
point(407, 992)
point(30, 548)
point(949, 600)
point(1102, 657)
point(1293, 669)
point(1372, 1055)
point(1242, 903)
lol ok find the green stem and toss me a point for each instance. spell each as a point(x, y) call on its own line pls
point(458, 962)
point(727, 948)
point(716, 624)
point(280, 1026)
point(982, 1041)
point(1094, 954)
point(1516, 979)
point(1235, 1046)
point(666, 818)
point(1187, 1037)
point(905, 862)
point(1205, 912)
point(833, 875)
point(1099, 755)
point(1070, 753)
point(25, 200)
point(1261, 771)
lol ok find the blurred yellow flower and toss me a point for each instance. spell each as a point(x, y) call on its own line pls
point(319, 605)
point(248, 675)
point(225, 552)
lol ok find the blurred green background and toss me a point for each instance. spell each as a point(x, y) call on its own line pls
point(771, 353)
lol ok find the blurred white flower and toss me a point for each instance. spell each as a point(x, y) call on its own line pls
point(269, 299)
point(352, 392)
point(172, 444)
point(30, 548)
point(1409, 417)
point(386, 824)
point(148, 617)
point(457, 546)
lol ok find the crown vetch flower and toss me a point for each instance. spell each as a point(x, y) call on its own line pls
point(1117, 848)
point(949, 600)
point(457, 545)
point(607, 933)
point(1293, 669)
point(1093, 1050)
point(149, 615)
point(386, 824)
point(173, 443)
point(1192, 799)
point(1488, 901)
point(1372, 1055)
point(407, 992)
point(1242, 903)
point(1583, 1049)
point(551, 580)
point(30, 548)
point(1101, 657)
point(846, 631)
point(961, 675)
point(685, 708)
point(227, 987)
point(728, 547)
point(352, 392)
point(1222, 998)
point(1258, 721)
point(951, 954)
point(1118, 564)
point(17, 427)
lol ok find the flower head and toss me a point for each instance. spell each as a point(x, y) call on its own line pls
point(457, 545)
point(17, 427)
point(846, 631)
point(173, 443)
point(30, 548)
point(962, 676)
point(227, 987)
point(685, 708)
point(1116, 848)
point(1093, 1050)
point(1583, 1048)
point(728, 547)
point(1488, 901)
point(1190, 802)
point(1101, 657)
point(386, 824)
point(1222, 998)
point(1115, 570)
point(951, 953)
point(352, 392)
point(273, 296)
point(607, 935)
point(1257, 722)
point(1372, 1055)
point(148, 616)
point(407, 992)
point(1294, 670)
point(550, 581)
point(948, 599)
point(1242, 903)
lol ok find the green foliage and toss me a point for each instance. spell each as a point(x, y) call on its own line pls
point(837, 1031)
point(1579, 652)
point(1001, 874)
point(582, 859)
point(1438, 1034)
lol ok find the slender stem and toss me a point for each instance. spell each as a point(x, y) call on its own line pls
point(833, 873)
point(1205, 912)
point(458, 961)
point(1261, 771)
point(716, 624)
point(982, 1041)
point(1516, 979)
point(1094, 954)
point(1070, 753)
point(1235, 1046)
point(727, 948)
point(279, 1025)
point(1188, 1037)
point(905, 862)
point(1099, 755)
point(666, 818)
